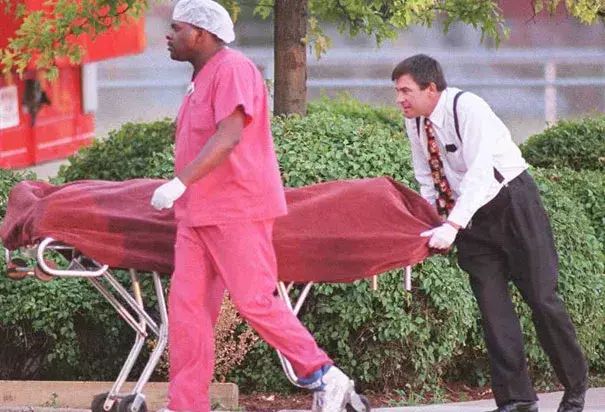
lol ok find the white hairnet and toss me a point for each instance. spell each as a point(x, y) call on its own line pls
point(207, 15)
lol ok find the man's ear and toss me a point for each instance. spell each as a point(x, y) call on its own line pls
point(432, 87)
point(200, 35)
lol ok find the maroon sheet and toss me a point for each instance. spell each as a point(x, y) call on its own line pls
point(335, 232)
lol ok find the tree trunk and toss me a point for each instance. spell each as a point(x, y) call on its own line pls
point(290, 93)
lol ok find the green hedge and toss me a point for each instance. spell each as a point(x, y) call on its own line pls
point(579, 145)
point(588, 188)
point(346, 106)
point(8, 179)
point(59, 330)
point(387, 338)
point(322, 147)
point(124, 154)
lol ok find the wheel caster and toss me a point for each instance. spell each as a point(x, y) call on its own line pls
point(98, 402)
point(358, 403)
point(43, 276)
point(126, 404)
point(12, 269)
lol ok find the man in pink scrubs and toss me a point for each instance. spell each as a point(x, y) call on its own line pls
point(227, 193)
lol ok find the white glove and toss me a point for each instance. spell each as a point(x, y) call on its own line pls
point(165, 195)
point(442, 237)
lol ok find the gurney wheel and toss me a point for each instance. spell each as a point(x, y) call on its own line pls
point(12, 271)
point(98, 402)
point(41, 275)
point(366, 405)
point(126, 403)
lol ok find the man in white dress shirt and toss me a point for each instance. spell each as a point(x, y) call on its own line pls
point(471, 170)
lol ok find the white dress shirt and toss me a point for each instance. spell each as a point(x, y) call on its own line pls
point(469, 163)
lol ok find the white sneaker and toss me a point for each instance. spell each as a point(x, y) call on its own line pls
point(333, 392)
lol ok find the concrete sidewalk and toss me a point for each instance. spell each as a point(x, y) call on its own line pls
point(46, 170)
point(549, 402)
point(595, 402)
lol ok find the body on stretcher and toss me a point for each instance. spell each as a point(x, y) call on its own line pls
point(373, 226)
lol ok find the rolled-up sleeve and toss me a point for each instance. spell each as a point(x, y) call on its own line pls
point(234, 89)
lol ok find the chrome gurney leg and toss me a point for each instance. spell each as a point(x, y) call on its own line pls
point(155, 356)
point(356, 402)
point(107, 401)
point(140, 329)
point(285, 296)
point(408, 278)
point(136, 400)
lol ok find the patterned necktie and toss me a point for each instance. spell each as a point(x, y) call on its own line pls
point(445, 200)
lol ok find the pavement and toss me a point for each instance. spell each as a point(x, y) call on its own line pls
point(45, 170)
point(595, 402)
point(549, 402)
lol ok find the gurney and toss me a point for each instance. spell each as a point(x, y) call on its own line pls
point(334, 232)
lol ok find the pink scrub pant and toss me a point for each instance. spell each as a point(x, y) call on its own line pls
point(239, 257)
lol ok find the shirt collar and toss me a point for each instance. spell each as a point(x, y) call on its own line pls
point(438, 115)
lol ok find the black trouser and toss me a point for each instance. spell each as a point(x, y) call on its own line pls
point(510, 239)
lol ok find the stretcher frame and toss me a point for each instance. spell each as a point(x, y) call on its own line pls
point(131, 309)
point(141, 322)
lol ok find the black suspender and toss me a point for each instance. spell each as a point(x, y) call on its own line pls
point(455, 116)
point(456, 124)
point(497, 175)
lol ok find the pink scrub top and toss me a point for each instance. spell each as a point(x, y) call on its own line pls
point(247, 185)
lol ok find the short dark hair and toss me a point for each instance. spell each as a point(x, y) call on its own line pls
point(423, 69)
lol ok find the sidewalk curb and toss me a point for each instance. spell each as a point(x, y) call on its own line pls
point(39, 409)
point(50, 396)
